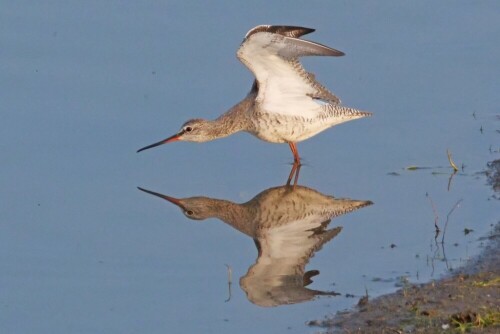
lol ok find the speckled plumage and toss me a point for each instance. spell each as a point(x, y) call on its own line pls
point(286, 104)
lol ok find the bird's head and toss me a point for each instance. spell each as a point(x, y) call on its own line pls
point(196, 208)
point(195, 130)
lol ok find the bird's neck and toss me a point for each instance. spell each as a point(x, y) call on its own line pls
point(237, 216)
point(234, 120)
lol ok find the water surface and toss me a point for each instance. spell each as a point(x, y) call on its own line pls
point(84, 85)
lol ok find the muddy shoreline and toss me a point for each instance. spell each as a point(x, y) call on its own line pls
point(466, 301)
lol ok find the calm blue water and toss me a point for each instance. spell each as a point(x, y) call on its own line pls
point(83, 85)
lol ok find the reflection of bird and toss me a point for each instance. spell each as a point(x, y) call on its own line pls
point(288, 226)
point(286, 104)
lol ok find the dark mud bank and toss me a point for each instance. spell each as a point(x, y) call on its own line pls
point(467, 301)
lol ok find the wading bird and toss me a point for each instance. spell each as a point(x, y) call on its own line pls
point(286, 104)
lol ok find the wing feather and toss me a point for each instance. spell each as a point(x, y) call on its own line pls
point(290, 31)
point(284, 87)
point(295, 47)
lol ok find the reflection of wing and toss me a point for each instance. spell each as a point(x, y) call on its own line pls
point(290, 246)
point(271, 53)
point(292, 227)
point(278, 276)
point(288, 225)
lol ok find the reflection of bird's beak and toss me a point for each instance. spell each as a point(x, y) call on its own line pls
point(164, 141)
point(172, 200)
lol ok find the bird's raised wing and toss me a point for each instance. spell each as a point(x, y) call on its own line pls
point(289, 31)
point(271, 53)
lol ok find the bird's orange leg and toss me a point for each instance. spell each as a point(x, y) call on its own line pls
point(295, 152)
point(296, 165)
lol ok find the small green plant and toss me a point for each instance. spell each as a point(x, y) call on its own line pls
point(492, 282)
point(465, 321)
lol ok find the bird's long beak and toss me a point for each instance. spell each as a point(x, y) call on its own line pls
point(172, 200)
point(173, 138)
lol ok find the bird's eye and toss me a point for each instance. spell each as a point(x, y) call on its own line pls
point(189, 212)
point(188, 129)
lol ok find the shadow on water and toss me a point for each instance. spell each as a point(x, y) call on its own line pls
point(288, 224)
